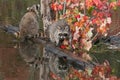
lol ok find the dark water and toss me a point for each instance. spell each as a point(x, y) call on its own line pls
point(100, 53)
point(19, 61)
point(29, 61)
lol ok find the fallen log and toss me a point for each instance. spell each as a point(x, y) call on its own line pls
point(50, 47)
point(10, 29)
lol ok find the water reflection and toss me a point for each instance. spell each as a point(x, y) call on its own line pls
point(42, 62)
point(12, 66)
point(113, 57)
point(37, 63)
point(30, 52)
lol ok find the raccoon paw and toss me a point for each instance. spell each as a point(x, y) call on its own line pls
point(57, 44)
point(36, 36)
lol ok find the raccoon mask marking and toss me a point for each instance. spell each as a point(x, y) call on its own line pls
point(59, 31)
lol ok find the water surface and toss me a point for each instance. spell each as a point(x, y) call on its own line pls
point(27, 61)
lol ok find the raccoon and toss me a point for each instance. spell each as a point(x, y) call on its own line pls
point(59, 31)
point(29, 25)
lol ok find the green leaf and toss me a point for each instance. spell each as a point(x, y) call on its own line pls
point(90, 10)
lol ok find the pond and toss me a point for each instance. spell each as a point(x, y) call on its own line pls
point(27, 61)
point(30, 61)
point(37, 63)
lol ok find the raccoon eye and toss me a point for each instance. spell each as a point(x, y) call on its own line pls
point(67, 28)
point(65, 34)
point(58, 27)
point(60, 34)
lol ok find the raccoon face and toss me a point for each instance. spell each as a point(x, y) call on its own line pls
point(35, 8)
point(63, 33)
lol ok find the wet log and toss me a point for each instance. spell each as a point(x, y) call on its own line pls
point(50, 47)
point(10, 29)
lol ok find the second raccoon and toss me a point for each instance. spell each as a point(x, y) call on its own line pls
point(59, 31)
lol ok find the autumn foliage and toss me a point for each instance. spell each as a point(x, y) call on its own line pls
point(84, 18)
point(88, 20)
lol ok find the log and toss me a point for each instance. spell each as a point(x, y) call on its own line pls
point(50, 47)
point(10, 29)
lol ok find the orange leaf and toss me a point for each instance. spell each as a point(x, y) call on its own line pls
point(53, 75)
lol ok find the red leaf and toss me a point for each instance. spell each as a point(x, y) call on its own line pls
point(54, 6)
point(94, 12)
point(62, 46)
point(60, 7)
point(97, 2)
point(89, 3)
point(77, 16)
point(53, 75)
point(118, 3)
point(113, 4)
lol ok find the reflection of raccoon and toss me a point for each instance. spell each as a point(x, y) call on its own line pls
point(59, 31)
point(29, 25)
point(30, 52)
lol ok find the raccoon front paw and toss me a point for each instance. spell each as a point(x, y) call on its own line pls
point(58, 44)
point(36, 36)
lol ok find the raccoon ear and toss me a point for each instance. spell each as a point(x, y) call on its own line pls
point(38, 6)
point(29, 9)
point(67, 28)
point(58, 27)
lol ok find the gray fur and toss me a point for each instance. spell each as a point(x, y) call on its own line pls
point(29, 25)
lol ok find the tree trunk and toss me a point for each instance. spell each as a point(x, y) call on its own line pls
point(46, 15)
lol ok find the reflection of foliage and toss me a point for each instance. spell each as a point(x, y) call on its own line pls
point(85, 16)
point(99, 48)
point(101, 54)
point(100, 72)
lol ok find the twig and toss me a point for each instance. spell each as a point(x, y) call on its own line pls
point(94, 36)
point(84, 7)
point(64, 7)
